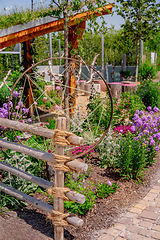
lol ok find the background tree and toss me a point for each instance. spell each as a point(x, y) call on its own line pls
point(66, 10)
point(141, 20)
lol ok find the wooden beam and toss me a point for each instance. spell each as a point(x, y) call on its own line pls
point(72, 195)
point(75, 221)
point(73, 38)
point(33, 32)
point(45, 156)
point(45, 132)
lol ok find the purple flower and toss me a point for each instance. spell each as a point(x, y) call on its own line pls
point(149, 108)
point(133, 128)
point(152, 142)
point(155, 109)
point(137, 111)
point(158, 136)
point(29, 120)
point(109, 183)
point(20, 103)
point(141, 112)
point(157, 148)
point(15, 94)
point(20, 88)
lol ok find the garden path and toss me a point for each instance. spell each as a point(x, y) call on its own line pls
point(142, 222)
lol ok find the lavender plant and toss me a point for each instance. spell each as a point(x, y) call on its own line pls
point(146, 126)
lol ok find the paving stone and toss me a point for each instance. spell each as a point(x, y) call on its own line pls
point(145, 232)
point(124, 234)
point(106, 237)
point(156, 235)
point(157, 199)
point(158, 204)
point(125, 221)
point(133, 228)
point(147, 238)
point(156, 187)
point(156, 227)
point(153, 204)
point(151, 208)
point(136, 210)
point(112, 231)
point(154, 191)
point(158, 222)
point(119, 226)
point(145, 224)
point(131, 215)
point(134, 236)
point(119, 238)
point(135, 221)
point(149, 214)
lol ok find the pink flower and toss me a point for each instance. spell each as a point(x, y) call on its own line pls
point(49, 151)
point(56, 107)
point(22, 121)
point(58, 88)
point(60, 107)
point(17, 107)
point(35, 103)
point(84, 115)
point(109, 183)
point(47, 124)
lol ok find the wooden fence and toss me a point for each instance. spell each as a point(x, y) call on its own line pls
point(60, 163)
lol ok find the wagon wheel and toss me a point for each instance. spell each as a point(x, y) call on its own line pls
point(90, 117)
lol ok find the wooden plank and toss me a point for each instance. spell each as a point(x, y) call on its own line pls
point(45, 132)
point(45, 156)
point(59, 182)
point(77, 222)
point(54, 26)
point(72, 195)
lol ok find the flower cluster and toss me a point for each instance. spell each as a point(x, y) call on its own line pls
point(147, 125)
point(122, 129)
point(82, 149)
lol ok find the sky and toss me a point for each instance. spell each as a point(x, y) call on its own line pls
point(19, 4)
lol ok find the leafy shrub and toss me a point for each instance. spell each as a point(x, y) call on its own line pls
point(91, 192)
point(132, 158)
point(146, 70)
point(126, 107)
point(148, 91)
point(108, 151)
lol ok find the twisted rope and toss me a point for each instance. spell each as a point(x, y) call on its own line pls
point(57, 218)
point(60, 137)
point(59, 192)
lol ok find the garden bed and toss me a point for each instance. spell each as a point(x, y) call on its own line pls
point(31, 223)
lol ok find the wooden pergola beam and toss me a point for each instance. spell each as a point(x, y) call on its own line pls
point(25, 34)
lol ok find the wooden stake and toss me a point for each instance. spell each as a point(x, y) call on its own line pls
point(59, 182)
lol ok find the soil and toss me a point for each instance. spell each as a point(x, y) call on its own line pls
point(30, 223)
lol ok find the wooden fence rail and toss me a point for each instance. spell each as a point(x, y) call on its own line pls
point(59, 162)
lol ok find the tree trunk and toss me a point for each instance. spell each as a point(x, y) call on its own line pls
point(66, 73)
point(137, 61)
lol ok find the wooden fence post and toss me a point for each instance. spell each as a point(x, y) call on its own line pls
point(59, 182)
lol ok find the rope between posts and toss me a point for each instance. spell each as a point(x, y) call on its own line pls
point(58, 218)
point(60, 137)
point(61, 167)
point(59, 192)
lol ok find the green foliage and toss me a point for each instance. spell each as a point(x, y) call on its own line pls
point(141, 17)
point(132, 158)
point(148, 91)
point(104, 189)
point(99, 112)
point(126, 107)
point(126, 73)
point(91, 192)
point(146, 70)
